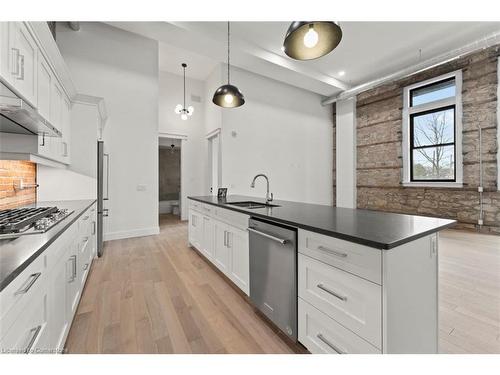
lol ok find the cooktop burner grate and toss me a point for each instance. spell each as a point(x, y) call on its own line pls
point(15, 220)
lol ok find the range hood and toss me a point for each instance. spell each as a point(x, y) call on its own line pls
point(18, 117)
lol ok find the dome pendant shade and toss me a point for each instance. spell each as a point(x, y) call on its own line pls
point(228, 96)
point(308, 40)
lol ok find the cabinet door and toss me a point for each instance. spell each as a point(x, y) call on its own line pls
point(22, 56)
point(221, 249)
point(194, 231)
point(66, 130)
point(237, 241)
point(56, 105)
point(72, 284)
point(207, 237)
point(44, 87)
point(59, 321)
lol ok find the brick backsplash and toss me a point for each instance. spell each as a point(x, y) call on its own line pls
point(11, 173)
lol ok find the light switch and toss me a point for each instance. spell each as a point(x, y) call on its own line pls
point(141, 187)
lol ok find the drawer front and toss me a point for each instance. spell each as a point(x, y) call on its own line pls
point(323, 335)
point(208, 209)
point(350, 300)
point(29, 333)
point(195, 205)
point(360, 260)
point(20, 292)
point(233, 218)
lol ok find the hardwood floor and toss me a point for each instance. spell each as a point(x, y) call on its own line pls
point(469, 288)
point(156, 295)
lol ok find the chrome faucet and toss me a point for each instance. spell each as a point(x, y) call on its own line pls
point(269, 197)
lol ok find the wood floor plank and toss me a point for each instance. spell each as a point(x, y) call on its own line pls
point(156, 295)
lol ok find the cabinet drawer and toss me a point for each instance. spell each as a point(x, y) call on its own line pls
point(194, 205)
point(233, 218)
point(350, 300)
point(322, 335)
point(208, 209)
point(360, 260)
point(29, 333)
point(20, 292)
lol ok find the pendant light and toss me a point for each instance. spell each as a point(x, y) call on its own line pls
point(181, 109)
point(228, 96)
point(308, 40)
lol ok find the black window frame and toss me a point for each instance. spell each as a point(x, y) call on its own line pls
point(412, 141)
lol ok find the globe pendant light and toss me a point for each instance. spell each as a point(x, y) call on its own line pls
point(228, 96)
point(308, 40)
point(181, 109)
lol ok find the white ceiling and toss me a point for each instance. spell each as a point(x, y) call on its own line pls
point(368, 50)
point(171, 58)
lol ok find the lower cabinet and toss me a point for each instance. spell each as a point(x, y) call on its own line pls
point(37, 307)
point(225, 245)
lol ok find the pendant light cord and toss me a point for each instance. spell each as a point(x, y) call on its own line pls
point(184, 87)
point(228, 54)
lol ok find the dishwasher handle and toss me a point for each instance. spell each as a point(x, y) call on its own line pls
point(271, 237)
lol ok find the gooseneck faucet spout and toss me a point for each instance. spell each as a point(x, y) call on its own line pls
point(269, 197)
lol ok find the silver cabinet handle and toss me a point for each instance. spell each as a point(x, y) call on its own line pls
point(225, 243)
point(277, 239)
point(34, 277)
point(15, 61)
point(333, 252)
point(228, 242)
point(327, 342)
point(73, 276)
point(21, 63)
point(329, 291)
point(107, 177)
point(34, 334)
point(65, 153)
point(43, 140)
point(93, 227)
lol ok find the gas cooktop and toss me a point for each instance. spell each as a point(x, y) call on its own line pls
point(23, 221)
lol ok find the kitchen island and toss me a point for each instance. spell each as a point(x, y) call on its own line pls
point(367, 281)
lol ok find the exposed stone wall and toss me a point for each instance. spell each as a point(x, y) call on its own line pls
point(379, 147)
point(11, 174)
point(334, 174)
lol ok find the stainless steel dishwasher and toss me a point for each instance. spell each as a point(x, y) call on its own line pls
point(273, 273)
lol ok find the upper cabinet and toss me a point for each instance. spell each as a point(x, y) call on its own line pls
point(32, 66)
point(20, 60)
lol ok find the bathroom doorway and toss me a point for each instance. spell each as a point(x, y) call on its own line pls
point(169, 178)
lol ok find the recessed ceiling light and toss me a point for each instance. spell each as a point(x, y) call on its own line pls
point(341, 73)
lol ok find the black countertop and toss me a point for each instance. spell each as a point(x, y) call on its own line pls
point(16, 254)
point(381, 230)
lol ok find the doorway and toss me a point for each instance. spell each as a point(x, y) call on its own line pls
point(169, 177)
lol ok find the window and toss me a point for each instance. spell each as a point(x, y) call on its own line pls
point(432, 132)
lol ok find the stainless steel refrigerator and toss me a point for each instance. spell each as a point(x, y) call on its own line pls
point(102, 193)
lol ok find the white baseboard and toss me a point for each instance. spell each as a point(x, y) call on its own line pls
point(131, 233)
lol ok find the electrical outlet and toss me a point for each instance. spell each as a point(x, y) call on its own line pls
point(141, 187)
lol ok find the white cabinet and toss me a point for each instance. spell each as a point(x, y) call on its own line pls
point(221, 247)
point(19, 60)
point(195, 228)
point(221, 236)
point(66, 131)
point(207, 238)
point(239, 258)
point(44, 88)
point(37, 308)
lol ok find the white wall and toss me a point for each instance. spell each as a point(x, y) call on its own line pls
point(58, 184)
point(282, 131)
point(193, 148)
point(123, 68)
point(346, 153)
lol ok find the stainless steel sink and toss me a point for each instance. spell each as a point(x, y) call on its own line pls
point(252, 205)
